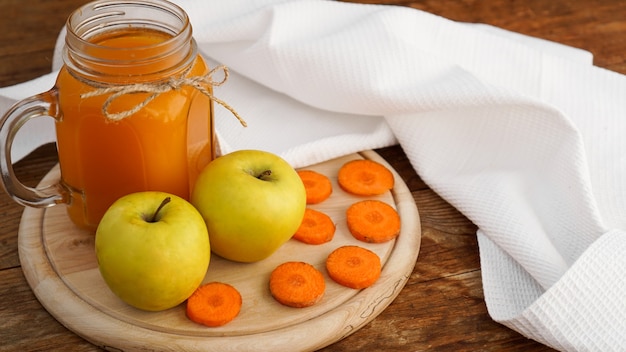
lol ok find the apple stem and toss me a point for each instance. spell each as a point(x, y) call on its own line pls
point(264, 174)
point(163, 203)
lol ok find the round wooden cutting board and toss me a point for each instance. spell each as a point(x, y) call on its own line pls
point(59, 263)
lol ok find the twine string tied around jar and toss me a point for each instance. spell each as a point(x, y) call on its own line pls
point(155, 89)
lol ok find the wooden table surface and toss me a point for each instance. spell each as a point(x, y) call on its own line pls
point(442, 306)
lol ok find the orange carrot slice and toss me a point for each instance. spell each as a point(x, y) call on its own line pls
point(316, 228)
point(297, 284)
point(214, 304)
point(373, 221)
point(318, 186)
point(353, 266)
point(365, 177)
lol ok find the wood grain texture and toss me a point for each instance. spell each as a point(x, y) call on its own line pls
point(29, 32)
point(60, 265)
point(441, 308)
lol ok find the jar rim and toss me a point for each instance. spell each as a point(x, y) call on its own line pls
point(99, 17)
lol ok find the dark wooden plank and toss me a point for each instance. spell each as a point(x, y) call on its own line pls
point(25, 325)
point(29, 30)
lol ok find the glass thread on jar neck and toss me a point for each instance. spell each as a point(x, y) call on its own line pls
point(92, 29)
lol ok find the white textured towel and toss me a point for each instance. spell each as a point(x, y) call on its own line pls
point(524, 137)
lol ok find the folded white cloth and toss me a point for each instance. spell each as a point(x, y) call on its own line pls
point(521, 135)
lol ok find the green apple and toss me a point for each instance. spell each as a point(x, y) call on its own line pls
point(153, 249)
point(252, 201)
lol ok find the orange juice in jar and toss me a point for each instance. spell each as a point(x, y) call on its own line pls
point(129, 115)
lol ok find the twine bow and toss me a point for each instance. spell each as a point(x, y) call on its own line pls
point(173, 83)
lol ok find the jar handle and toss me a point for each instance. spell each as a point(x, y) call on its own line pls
point(24, 110)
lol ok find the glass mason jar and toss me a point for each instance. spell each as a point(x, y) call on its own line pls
point(132, 108)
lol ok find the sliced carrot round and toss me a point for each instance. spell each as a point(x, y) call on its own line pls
point(353, 266)
point(214, 304)
point(297, 284)
point(318, 186)
point(365, 177)
point(316, 228)
point(373, 221)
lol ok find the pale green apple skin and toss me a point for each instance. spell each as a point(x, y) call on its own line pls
point(249, 218)
point(152, 266)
